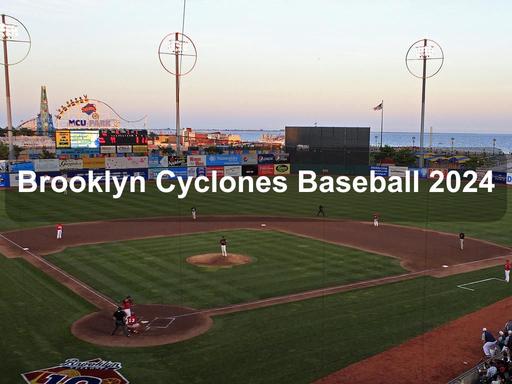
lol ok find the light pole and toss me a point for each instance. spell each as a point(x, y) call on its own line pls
point(493, 145)
point(452, 139)
point(420, 53)
point(173, 48)
point(376, 141)
point(413, 140)
point(9, 30)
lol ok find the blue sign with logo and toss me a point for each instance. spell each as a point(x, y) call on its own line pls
point(266, 158)
point(179, 172)
point(224, 159)
point(4, 180)
point(201, 171)
point(25, 166)
point(157, 161)
point(380, 171)
point(499, 177)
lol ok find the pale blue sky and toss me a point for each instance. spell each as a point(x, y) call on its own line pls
point(267, 64)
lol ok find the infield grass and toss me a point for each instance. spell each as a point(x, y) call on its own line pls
point(287, 344)
point(155, 270)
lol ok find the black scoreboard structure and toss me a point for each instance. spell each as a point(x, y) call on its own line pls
point(334, 150)
point(123, 141)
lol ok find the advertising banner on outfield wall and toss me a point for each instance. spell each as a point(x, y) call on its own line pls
point(250, 170)
point(158, 161)
point(394, 170)
point(124, 149)
point(67, 164)
point(282, 158)
point(4, 180)
point(196, 160)
point(422, 172)
point(282, 169)
point(177, 161)
point(116, 163)
point(14, 179)
point(219, 170)
point(380, 170)
point(249, 159)
point(180, 172)
point(94, 162)
point(509, 178)
point(137, 162)
point(266, 170)
point(22, 166)
point(225, 159)
point(46, 165)
point(499, 177)
point(116, 172)
point(153, 173)
point(233, 170)
point(108, 149)
point(266, 158)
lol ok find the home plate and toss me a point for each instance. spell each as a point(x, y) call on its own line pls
point(444, 266)
point(263, 225)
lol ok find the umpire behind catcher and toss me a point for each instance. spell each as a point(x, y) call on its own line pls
point(120, 320)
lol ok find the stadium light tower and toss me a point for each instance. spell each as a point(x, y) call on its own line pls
point(417, 58)
point(10, 29)
point(173, 49)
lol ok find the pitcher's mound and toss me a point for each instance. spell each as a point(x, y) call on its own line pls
point(159, 325)
point(218, 261)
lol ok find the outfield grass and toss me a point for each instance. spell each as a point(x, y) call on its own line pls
point(480, 215)
point(155, 270)
point(292, 343)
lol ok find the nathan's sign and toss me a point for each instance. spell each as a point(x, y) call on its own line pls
point(74, 371)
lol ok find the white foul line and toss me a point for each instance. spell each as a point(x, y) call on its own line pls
point(58, 270)
point(462, 286)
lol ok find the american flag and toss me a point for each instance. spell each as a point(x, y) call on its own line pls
point(378, 107)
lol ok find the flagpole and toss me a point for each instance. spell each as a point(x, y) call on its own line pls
point(381, 122)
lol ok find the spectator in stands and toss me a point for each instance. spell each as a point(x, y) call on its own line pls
point(492, 371)
point(489, 343)
point(503, 340)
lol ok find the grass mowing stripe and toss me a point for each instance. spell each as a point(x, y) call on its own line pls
point(121, 268)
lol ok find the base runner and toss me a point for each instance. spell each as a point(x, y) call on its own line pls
point(59, 231)
point(507, 271)
point(223, 244)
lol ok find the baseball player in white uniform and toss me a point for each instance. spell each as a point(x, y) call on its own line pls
point(194, 213)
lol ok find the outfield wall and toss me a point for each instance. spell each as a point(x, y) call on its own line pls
point(235, 165)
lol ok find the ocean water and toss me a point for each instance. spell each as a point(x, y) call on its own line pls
point(404, 139)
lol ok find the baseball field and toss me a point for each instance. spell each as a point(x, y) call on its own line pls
point(329, 298)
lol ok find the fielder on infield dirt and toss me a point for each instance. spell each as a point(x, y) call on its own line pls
point(461, 239)
point(194, 213)
point(507, 271)
point(59, 231)
point(376, 219)
point(223, 244)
